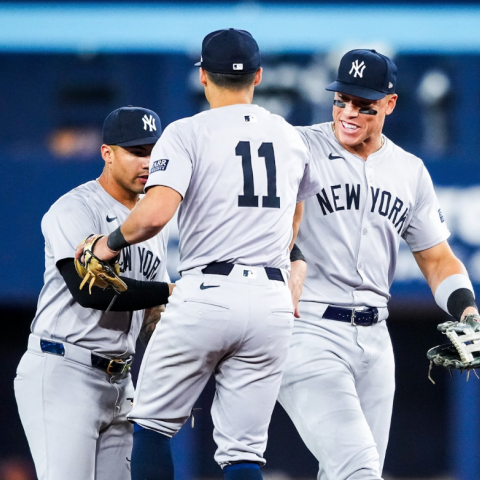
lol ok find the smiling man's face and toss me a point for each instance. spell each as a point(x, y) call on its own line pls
point(358, 132)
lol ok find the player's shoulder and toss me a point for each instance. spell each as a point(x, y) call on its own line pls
point(286, 129)
point(182, 129)
point(77, 198)
point(317, 136)
point(178, 125)
point(273, 117)
point(400, 155)
point(262, 114)
point(318, 129)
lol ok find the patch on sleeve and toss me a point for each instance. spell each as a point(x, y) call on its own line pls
point(442, 220)
point(250, 118)
point(159, 165)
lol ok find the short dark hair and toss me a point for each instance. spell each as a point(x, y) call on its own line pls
point(231, 82)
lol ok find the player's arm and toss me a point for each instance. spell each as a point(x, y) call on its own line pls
point(151, 214)
point(448, 279)
point(151, 318)
point(138, 296)
point(145, 221)
point(297, 219)
point(298, 269)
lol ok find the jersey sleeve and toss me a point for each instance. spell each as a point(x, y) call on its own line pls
point(65, 225)
point(165, 233)
point(427, 227)
point(310, 183)
point(170, 161)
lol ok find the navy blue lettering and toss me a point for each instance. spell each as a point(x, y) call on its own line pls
point(353, 196)
point(324, 202)
point(271, 200)
point(248, 199)
point(374, 197)
point(147, 263)
point(397, 206)
point(126, 263)
point(336, 197)
point(154, 270)
point(141, 252)
point(400, 223)
point(384, 206)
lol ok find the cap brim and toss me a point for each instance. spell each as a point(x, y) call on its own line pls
point(139, 141)
point(355, 90)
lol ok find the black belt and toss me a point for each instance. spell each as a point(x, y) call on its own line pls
point(224, 268)
point(111, 366)
point(363, 318)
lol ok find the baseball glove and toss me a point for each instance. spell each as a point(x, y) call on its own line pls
point(98, 272)
point(464, 351)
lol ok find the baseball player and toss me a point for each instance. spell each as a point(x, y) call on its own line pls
point(236, 173)
point(338, 384)
point(73, 386)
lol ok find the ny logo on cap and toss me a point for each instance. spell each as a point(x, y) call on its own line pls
point(358, 69)
point(150, 122)
point(238, 66)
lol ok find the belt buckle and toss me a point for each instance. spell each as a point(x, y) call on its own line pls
point(126, 366)
point(352, 318)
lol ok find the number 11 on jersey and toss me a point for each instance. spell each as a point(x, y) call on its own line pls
point(249, 199)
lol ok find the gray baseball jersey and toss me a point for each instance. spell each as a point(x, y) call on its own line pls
point(217, 172)
point(359, 215)
point(82, 211)
point(240, 171)
point(338, 384)
point(74, 415)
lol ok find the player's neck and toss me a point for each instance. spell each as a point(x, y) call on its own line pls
point(125, 197)
point(224, 98)
point(364, 149)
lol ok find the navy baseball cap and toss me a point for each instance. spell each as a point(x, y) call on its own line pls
point(230, 51)
point(365, 74)
point(130, 126)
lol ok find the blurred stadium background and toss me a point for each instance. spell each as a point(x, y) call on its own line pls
point(65, 66)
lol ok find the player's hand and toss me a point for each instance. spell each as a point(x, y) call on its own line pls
point(469, 311)
point(79, 252)
point(100, 250)
point(298, 273)
point(95, 271)
point(171, 286)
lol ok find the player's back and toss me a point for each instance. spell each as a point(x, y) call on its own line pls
point(239, 169)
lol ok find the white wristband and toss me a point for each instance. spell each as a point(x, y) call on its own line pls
point(448, 286)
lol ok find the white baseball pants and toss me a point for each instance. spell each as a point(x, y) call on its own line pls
point(338, 389)
point(237, 327)
point(74, 416)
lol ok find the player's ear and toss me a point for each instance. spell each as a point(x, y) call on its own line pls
point(107, 153)
point(258, 76)
point(203, 76)
point(392, 102)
